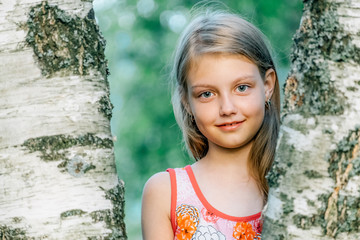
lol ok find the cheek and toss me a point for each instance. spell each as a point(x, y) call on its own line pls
point(205, 115)
point(201, 110)
point(202, 114)
point(254, 107)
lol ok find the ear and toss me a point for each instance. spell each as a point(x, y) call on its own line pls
point(270, 80)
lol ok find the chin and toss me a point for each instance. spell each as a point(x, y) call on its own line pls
point(234, 146)
point(231, 146)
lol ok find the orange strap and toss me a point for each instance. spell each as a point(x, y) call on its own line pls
point(173, 198)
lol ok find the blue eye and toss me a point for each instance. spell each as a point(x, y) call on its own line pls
point(242, 88)
point(206, 94)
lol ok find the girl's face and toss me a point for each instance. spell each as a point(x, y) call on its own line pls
point(227, 97)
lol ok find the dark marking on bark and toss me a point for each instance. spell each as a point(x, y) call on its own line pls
point(328, 131)
point(274, 175)
point(114, 218)
point(342, 213)
point(306, 222)
point(309, 89)
point(310, 203)
point(293, 94)
point(274, 229)
point(301, 126)
point(8, 233)
point(312, 174)
point(281, 162)
point(117, 197)
point(17, 219)
point(352, 89)
point(338, 212)
point(89, 167)
point(101, 215)
point(288, 206)
point(54, 148)
point(73, 212)
point(63, 164)
point(77, 166)
point(91, 14)
point(105, 106)
point(61, 41)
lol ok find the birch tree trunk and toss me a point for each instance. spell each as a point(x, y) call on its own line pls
point(315, 182)
point(57, 169)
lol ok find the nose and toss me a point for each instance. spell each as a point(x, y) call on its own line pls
point(227, 105)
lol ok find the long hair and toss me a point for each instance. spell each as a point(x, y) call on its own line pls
point(225, 33)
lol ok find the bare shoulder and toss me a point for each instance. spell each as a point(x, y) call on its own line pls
point(156, 203)
point(158, 183)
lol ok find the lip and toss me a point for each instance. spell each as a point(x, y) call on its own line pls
point(229, 126)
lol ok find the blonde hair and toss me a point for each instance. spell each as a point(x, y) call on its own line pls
point(225, 33)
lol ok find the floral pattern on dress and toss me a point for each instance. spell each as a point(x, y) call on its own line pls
point(187, 218)
point(193, 221)
point(258, 225)
point(244, 231)
point(208, 233)
point(209, 216)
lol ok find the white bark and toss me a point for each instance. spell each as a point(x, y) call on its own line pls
point(37, 195)
point(306, 201)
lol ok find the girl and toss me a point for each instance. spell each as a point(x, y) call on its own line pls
point(226, 102)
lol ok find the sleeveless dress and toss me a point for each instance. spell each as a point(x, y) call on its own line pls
point(193, 218)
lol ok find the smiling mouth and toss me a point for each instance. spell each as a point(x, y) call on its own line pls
point(231, 125)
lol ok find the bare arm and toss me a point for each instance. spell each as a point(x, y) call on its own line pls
point(155, 212)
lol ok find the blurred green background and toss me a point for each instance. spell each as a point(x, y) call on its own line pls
point(141, 36)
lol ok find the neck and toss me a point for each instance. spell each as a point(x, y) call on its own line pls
point(228, 160)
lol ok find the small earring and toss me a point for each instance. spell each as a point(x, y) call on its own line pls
point(268, 104)
point(192, 118)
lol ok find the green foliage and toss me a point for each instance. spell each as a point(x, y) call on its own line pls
point(141, 37)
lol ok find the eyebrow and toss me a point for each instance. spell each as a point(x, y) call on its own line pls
point(239, 79)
